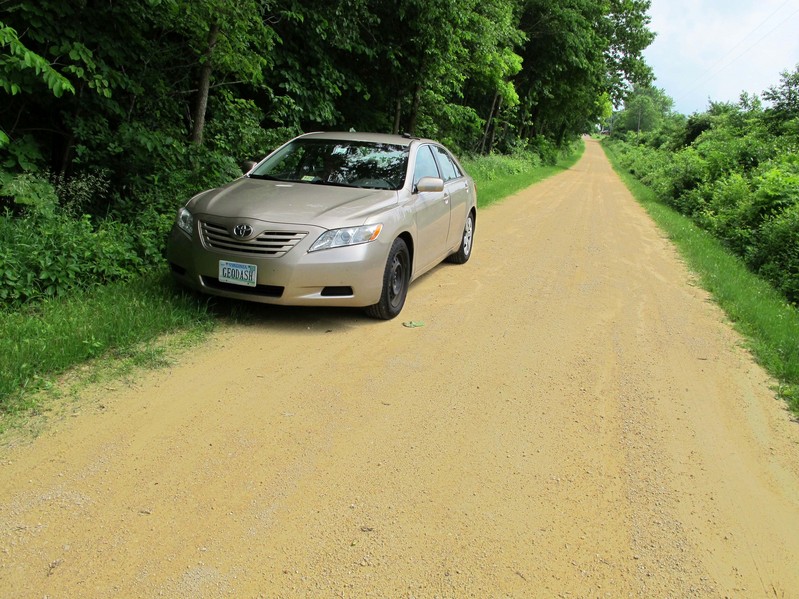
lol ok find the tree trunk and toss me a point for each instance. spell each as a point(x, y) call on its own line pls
point(488, 123)
point(417, 93)
point(205, 84)
point(66, 155)
point(638, 131)
point(561, 136)
point(494, 127)
point(397, 115)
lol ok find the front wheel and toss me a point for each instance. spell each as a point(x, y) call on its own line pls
point(465, 250)
point(395, 283)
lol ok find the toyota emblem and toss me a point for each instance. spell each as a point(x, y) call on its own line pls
point(242, 231)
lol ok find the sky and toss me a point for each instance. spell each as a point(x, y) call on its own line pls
point(712, 50)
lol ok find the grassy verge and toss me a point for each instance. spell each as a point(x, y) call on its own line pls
point(761, 314)
point(123, 324)
point(498, 177)
point(120, 321)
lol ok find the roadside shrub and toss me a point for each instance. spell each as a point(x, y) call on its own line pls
point(83, 192)
point(743, 189)
point(641, 161)
point(30, 192)
point(735, 174)
point(495, 166)
point(50, 256)
point(682, 174)
point(732, 146)
point(545, 149)
point(777, 189)
point(775, 256)
point(40, 260)
point(722, 213)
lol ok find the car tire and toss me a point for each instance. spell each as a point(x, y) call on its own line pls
point(467, 240)
point(396, 278)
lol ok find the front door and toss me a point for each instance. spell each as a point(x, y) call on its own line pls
point(432, 214)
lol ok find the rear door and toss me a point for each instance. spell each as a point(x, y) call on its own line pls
point(456, 185)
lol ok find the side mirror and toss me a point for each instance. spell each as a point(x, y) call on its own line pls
point(247, 165)
point(427, 184)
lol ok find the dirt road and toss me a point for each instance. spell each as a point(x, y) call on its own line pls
point(574, 419)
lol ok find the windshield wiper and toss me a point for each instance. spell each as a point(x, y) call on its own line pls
point(331, 183)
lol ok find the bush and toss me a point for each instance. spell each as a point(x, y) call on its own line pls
point(775, 256)
point(27, 192)
point(777, 189)
point(83, 192)
point(495, 166)
point(683, 173)
point(722, 213)
point(545, 149)
point(48, 256)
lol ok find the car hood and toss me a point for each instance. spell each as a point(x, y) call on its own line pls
point(326, 206)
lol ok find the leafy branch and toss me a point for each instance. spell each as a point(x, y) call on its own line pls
point(16, 59)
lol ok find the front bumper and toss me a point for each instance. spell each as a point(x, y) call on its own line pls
point(345, 276)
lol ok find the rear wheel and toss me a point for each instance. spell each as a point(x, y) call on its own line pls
point(395, 283)
point(463, 253)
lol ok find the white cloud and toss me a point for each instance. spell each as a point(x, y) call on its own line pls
point(715, 49)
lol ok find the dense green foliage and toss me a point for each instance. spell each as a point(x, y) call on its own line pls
point(734, 170)
point(113, 113)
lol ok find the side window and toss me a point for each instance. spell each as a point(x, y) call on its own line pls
point(425, 165)
point(449, 169)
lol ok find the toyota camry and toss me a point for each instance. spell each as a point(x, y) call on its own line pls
point(329, 219)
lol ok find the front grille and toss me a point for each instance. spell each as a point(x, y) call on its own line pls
point(269, 244)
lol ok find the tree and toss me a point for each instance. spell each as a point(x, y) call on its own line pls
point(321, 75)
point(230, 42)
point(492, 39)
point(645, 109)
point(20, 70)
point(578, 51)
point(784, 98)
point(627, 31)
point(160, 85)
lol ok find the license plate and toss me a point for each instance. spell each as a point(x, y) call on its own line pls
point(238, 273)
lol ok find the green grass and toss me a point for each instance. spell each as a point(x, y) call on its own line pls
point(498, 177)
point(119, 321)
point(121, 327)
point(757, 310)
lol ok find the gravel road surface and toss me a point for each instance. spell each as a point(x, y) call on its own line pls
point(574, 418)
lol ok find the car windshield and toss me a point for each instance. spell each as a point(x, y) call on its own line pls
point(333, 162)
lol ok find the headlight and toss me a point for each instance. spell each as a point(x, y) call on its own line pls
point(350, 236)
point(185, 221)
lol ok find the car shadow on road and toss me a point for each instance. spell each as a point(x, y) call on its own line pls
point(290, 319)
point(310, 320)
point(304, 319)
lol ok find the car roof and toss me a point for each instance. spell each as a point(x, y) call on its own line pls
point(386, 138)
